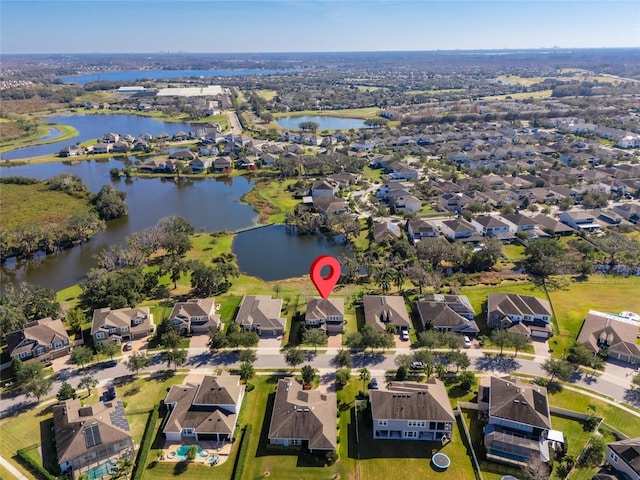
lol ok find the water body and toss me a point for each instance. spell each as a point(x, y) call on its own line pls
point(134, 75)
point(273, 253)
point(91, 127)
point(325, 123)
point(53, 133)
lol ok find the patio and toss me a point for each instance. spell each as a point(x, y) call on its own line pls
point(221, 450)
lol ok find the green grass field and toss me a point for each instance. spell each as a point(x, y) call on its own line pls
point(272, 200)
point(22, 204)
point(365, 113)
point(268, 95)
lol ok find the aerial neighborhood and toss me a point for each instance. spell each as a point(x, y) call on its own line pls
point(485, 321)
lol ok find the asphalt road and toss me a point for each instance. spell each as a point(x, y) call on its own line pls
point(201, 361)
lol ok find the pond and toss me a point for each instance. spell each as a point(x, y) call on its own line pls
point(91, 127)
point(274, 253)
point(134, 75)
point(325, 123)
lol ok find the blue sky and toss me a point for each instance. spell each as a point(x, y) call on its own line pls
point(120, 26)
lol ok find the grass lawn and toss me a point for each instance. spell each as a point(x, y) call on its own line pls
point(21, 204)
point(207, 246)
point(513, 252)
point(143, 393)
point(520, 96)
point(268, 95)
point(137, 424)
point(366, 112)
point(272, 200)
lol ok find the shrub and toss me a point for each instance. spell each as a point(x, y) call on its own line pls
point(33, 465)
point(241, 456)
point(145, 446)
point(401, 374)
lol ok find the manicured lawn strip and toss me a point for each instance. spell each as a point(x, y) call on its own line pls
point(272, 199)
point(137, 424)
point(146, 392)
point(614, 416)
point(36, 204)
point(228, 306)
point(513, 252)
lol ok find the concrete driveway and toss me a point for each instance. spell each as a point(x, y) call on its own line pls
point(199, 341)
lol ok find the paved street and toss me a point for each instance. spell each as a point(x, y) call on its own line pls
point(615, 382)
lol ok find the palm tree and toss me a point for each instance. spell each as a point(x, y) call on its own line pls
point(399, 278)
point(125, 466)
point(364, 375)
point(384, 277)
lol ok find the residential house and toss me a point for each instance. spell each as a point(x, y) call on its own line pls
point(71, 151)
point(419, 229)
point(195, 316)
point(267, 158)
point(385, 230)
point(200, 165)
point(412, 411)
point(222, 164)
point(102, 148)
point(324, 187)
point(261, 314)
point(110, 138)
point(380, 311)
point(490, 226)
point(580, 220)
point(519, 223)
point(44, 340)
point(615, 333)
point(326, 314)
point(400, 171)
point(158, 165)
point(404, 202)
point(330, 205)
point(305, 418)
point(553, 226)
point(460, 230)
point(204, 410)
point(628, 211)
point(505, 310)
point(344, 179)
point(448, 313)
point(121, 325)
point(624, 458)
point(518, 421)
point(92, 437)
point(185, 155)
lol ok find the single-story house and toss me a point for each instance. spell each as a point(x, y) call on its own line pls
point(614, 332)
point(261, 314)
point(383, 310)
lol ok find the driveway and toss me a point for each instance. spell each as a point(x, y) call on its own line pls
point(401, 344)
point(334, 341)
point(270, 342)
point(541, 348)
point(199, 341)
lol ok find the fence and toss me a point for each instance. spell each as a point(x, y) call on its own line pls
point(465, 430)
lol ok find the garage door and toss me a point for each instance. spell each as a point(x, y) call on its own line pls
point(208, 436)
point(539, 334)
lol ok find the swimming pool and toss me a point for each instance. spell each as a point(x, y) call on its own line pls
point(181, 452)
point(101, 471)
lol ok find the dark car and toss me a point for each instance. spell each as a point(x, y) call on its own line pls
point(110, 393)
point(374, 383)
point(109, 364)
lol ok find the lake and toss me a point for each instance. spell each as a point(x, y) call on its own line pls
point(274, 253)
point(134, 75)
point(325, 123)
point(91, 127)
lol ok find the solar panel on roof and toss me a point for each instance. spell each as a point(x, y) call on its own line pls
point(92, 435)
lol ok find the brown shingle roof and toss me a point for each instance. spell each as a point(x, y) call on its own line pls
point(412, 401)
point(260, 310)
point(380, 310)
point(519, 403)
point(42, 332)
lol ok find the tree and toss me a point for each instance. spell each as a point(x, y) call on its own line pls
point(247, 371)
point(315, 337)
point(453, 340)
point(118, 289)
point(460, 360)
point(593, 453)
point(309, 126)
point(171, 339)
point(110, 203)
point(88, 382)
point(81, 355)
point(386, 340)
point(344, 359)
point(205, 280)
point(75, 319)
point(544, 257)
point(364, 375)
point(370, 338)
point(558, 368)
point(636, 380)
point(38, 388)
point(66, 392)
point(467, 380)
point(217, 340)
point(501, 338)
point(174, 234)
point(308, 374)
point(403, 360)
point(428, 361)
point(124, 467)
point(294, 357)
point(579, 354)
point(192, 453)
point(82, 225)
point(519, 342)
point(353, 340)
point(248, 356)
point(137, 362)
point(343, 375)
point(108, 349)
point(176, 355)
point(430, 339)
point(32, 301)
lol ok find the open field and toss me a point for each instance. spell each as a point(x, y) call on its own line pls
point(268, 95)
point(272, 200)
point(521, 96)
point(36, 204)
point(365, 113)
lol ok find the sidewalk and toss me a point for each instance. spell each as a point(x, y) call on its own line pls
point(12, 470)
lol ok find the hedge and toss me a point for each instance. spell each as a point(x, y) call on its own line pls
point(241, 457)
point(33, 465)
point(147, 440)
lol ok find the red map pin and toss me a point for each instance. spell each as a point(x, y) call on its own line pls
point(325, 284)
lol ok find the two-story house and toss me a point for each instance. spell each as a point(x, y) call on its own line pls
point(490, 226)
point(624, 458)
point(44, 340)
point(412, 411)
point(448, 313)
point(326, 314)
point(519, 223)
point(580, 220)
point(261, 314)
point(521, 313)
point(460, 230)
point(419, 229)
point(91, 439)
point(123, 324)
point(324, 187)
point(204, 410)
point(518, 421)
point(305, 418)
point(383, 310)
point(195, 316)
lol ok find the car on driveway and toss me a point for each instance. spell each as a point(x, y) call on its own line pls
point(417, 365)
point(374, 383)
point(404, 335)
point(128, 346)
point(467, 342)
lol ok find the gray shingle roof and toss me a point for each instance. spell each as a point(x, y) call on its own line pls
point(412, 401)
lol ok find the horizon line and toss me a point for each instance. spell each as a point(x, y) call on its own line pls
point(438, 50)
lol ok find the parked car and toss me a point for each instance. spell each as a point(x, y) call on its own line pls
point(417, 365)
point(374, 383)
point(404, 335)
point(467, 342)
point(109, 363)
point(110, 393)
point(128, 346)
